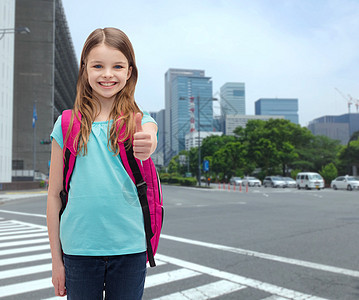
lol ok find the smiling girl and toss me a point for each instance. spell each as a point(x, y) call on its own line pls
point(99, 243)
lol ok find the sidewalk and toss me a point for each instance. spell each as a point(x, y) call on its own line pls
point(21, 194)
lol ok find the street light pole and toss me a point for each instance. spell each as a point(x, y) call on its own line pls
point(23, 30)
point(199, 145)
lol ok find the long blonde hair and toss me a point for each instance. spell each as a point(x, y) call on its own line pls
point(124, 107)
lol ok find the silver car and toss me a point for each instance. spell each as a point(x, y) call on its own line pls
point(251, 181)
point(345, 182)
point(274, 181)
point(290, 182)
point(235, 181)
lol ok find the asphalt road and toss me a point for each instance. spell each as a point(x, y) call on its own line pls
point(266, 243)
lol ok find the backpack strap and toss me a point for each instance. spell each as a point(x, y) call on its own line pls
point(135, 170)
point(70, 149)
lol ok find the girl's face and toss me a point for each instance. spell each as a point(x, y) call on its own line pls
point(107, 70)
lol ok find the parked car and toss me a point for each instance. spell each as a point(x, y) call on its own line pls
point(274, 181)
point(235, 181)
point(251, 181)
point(290, 182)
point(345, 182)
point(310, 180)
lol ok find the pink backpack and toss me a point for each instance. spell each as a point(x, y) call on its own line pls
point(143, 174)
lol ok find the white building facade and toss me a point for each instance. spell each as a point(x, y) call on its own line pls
point(7, 20)
point(234, 121)
point(192, 138)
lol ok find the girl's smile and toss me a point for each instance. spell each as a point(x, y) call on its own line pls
point(107, 84)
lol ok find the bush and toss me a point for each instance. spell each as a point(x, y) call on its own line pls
point(176, 179)
point(188, 181)
point(329, 172)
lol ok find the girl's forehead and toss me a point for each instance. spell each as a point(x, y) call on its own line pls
point(106, 53)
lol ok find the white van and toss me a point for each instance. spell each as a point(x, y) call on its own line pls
point(309, 180)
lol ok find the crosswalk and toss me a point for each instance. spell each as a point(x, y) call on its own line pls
point(25, 264)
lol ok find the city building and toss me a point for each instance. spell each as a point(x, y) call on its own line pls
point(45, 71)
point(192, 138)
point(180, 86)
point(157, 156)
point(234, 121)
point(7, 11)
point(232, 99)
point(187, 90)
point(278, 107)
point(336, 127)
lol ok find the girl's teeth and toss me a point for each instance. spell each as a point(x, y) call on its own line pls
point(107, 84)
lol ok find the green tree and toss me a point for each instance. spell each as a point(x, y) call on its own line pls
point(329, 172)
point(230, 160)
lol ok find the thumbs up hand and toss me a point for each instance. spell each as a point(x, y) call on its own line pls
point(144, 139)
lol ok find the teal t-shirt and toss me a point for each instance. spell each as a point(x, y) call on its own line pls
point(103, 215)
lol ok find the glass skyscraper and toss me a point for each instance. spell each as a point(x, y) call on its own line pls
point(183, 88)
point(233, 101)
point(278, 107)
point(180, 86)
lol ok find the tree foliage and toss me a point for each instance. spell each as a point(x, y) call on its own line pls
point(271, 147)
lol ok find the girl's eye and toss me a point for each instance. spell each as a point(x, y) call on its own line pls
point(118, 67)
point(97, 66)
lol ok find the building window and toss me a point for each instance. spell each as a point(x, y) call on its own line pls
point(238, 93)
point(18, 165)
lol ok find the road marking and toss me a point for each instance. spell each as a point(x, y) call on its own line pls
point(15, 232)
point(286, 260)
point(266, 287)
point(162, 278)
point(207, 291)
point(18, 228)
point(24, 259)
point(275, 298)
point(23, 236)
point(25, 271)
point(25, 242)
point(24, 250)
point(31, 224)
point(22, 213)
point(25, 287)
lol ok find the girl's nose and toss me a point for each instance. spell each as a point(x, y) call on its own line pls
point(107, 73)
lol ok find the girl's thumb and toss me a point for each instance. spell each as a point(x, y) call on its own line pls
point(138, 122)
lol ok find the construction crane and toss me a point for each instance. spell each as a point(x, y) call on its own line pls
point(348, 98)
point(355, 102)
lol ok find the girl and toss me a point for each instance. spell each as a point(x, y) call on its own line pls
point(99, 244)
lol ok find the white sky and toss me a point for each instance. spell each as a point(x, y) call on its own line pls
point(280, 48)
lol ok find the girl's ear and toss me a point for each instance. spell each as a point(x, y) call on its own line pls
point(129, 72)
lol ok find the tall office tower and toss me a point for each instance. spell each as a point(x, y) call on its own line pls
point(233, 100)
point(157, 156)
point(170, 75)
point(7, 11)
point(278, 107)
point(45, 75)
point(183, 89)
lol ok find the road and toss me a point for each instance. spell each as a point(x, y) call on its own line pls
point(266, 243)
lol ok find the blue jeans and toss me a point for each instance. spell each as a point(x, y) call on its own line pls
point(121, 277)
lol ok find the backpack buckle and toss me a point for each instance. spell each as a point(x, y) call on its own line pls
point(142, 189)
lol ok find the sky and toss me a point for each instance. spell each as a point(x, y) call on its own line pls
point(304, 49)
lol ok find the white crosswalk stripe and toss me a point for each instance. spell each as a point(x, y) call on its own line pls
point(25, 271)
point(207, 291)
point(167, 277)
point(20, 244)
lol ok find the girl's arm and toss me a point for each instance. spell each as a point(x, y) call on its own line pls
point(53, 223)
